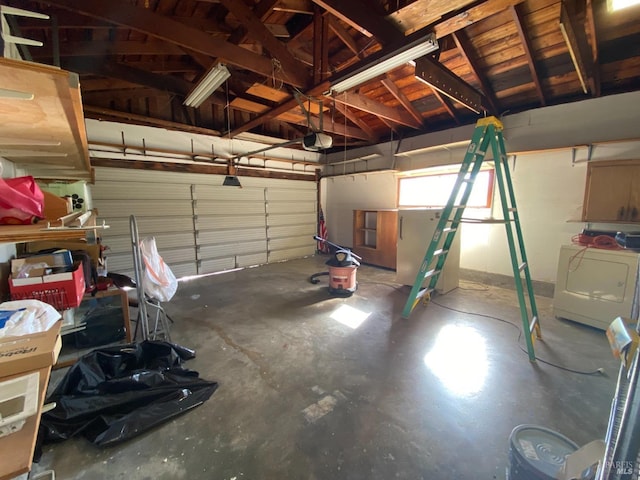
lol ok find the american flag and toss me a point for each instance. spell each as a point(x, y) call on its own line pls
point(322, 232)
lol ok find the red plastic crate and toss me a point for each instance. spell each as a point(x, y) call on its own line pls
point(61, 290)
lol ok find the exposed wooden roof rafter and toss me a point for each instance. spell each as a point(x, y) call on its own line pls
point(380, 110)
point(140, 19)
point(518, 19)
point(464, 46)
point(402, 98)
point(595, 81)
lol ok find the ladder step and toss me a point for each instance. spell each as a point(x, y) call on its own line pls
point(431, 273)
point(532, 325)
point(439, 252)
point(449, 229)
point(522, 266)
point(424, 292)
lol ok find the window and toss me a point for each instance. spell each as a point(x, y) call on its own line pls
point(434, 189)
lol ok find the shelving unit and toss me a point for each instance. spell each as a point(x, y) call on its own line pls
point(375, 234)
point(112, 298)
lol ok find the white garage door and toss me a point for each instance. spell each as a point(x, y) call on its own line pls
point(201, 226)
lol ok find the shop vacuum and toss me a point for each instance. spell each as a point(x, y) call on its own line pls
point(342, 270)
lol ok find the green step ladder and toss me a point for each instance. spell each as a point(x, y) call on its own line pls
point(488, 133)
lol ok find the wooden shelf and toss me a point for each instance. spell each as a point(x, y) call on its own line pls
point(46, 126)
point(375, 236)
point(31, 233)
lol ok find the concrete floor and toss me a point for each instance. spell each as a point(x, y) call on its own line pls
point(305, 397)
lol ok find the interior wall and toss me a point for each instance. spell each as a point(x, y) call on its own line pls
point(549, 187)
point(342, 195)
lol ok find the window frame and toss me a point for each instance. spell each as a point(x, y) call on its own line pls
point(439, 171)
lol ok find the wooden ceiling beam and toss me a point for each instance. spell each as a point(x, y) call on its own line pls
point(344, 36)
point(277, 111)
point(448, 106)
point(294, 6)
point(378, 109)
point(320, 47)
point(116, 47)
point(100, 113)
point(140, 19)
point(338, 128)
point(163, 83)
point(402, 98)
point(575, 38)
point(518, 19)
point(259, 32)
point(359, 15)
point(596, 87)
point(466, 50)
point(472, 15)
point(351, 116)
point(391, 125)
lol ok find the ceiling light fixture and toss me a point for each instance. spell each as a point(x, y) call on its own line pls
point(215, 77)
point(385, 60)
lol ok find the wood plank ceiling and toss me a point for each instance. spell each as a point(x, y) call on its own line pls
point(138, 60)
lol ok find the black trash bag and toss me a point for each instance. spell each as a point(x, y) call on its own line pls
point(113, 394)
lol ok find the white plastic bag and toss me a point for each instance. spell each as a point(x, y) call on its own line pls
point(158, 282)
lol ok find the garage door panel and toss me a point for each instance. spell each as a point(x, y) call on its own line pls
point(199, 225)
point(211, 222)
point(291, 242)
point(278, 220)
point(144, 208)
point(217, 265)
point(208, 207)
point(289, 208)
point(146, 225)
point(142, 191)
point(222, 194)
point(289, 253)
point(290, 195)
point(184, 270)
point(250, 260)
point(228, 236)
point(292, 230)
point(230, 249)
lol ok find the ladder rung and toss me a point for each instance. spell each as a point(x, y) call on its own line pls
point(449, 229)
point(522, 266)
point(431, 273)
point(423, 292)
point(442, 251)
point(532, 325)
point(513, 209)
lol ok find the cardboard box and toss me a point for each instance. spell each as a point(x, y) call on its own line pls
point(29, 352)
point(92, 248)
point(61, 290)
point(55, 206)
point(57, 259)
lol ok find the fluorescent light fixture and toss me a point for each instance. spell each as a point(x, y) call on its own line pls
point(383, 62)
point(215, 77)
point(615, 5)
